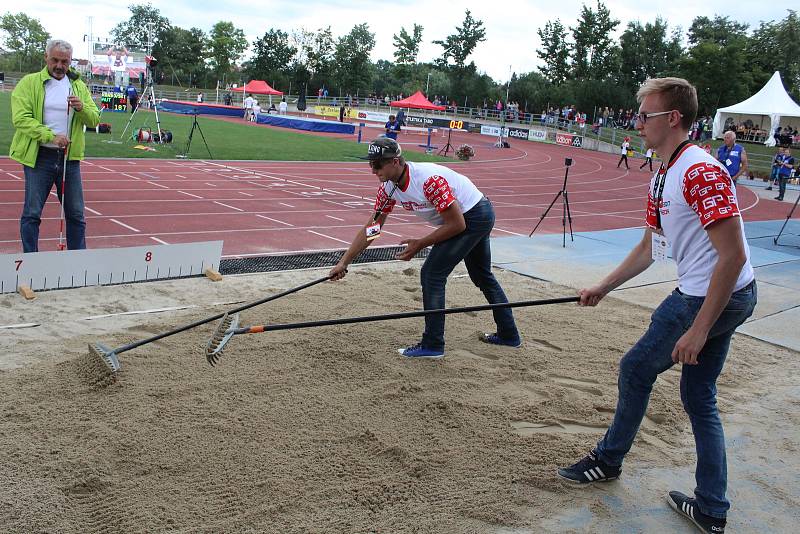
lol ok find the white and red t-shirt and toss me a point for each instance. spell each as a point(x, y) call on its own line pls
point(431, 189)
point(698, 191)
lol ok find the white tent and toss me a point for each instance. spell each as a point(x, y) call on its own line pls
point(771, 102)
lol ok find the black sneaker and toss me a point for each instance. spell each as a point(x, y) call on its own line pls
point(687, 507)
point(590, 469)
point(494, 339)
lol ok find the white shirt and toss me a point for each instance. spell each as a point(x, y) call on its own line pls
point(282, 107)
point(698, 192)
point(431, 189)
point(624, 148)
point(248, 102)
point(56, 116)
point(649, 153)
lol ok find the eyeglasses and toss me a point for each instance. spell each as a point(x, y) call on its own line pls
point(642, 116)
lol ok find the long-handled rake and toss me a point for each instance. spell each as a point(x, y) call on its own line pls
point(103, 362)
point(225, 330)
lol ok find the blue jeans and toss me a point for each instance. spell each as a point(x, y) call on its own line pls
point(472, 246)
point(39, 181)
point(652, 355)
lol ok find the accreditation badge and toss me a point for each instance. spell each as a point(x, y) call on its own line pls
point(661, 247)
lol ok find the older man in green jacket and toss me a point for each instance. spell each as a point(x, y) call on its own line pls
point(48, 110)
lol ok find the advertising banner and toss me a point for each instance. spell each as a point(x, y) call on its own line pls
point(537, 135)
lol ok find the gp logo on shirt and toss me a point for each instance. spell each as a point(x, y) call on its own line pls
point(707, 190)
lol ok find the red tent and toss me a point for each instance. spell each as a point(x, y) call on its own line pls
point(258, 87)
point(416, 101)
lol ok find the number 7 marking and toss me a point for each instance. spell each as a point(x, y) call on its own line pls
point(19, 264)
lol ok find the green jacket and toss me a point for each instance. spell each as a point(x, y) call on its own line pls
point(27, 116)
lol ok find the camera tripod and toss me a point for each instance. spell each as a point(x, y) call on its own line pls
point(446, 148)
point(195, 126)
point(565, 213)
point(791, 212)
point(148, 92)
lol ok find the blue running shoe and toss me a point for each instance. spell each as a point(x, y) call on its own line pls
point(494, 339)
point(419, 351)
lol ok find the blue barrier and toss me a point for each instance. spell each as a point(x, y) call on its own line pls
point(191, 108)
point(311, 125)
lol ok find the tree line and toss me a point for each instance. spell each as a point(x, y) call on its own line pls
point(582, 64)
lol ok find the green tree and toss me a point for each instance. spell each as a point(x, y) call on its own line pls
point(715, 62)
point(775, 46)
point(142, 28)
point(647, 52)
point(272, 55)
point(182, 53)
point(458, 46)
point(227, 43)
point(554, 52)
point(313, 61)
point(407, 46)
point(593, 49)
point(26, 39)
point(353, 66)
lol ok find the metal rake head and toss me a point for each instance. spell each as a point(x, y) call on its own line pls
point(102, 365)
point(221, 336)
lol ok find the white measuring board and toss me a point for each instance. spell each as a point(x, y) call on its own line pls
point(78, 268)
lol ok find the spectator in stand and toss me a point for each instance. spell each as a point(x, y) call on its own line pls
point(227, 98)
point(626, 145)
point(733, 156)
point(785, 172)
point(777, 161)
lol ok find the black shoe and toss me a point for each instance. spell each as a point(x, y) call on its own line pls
point(590, 469)
point(769, 188)
point(687, 507)
point(778, 198)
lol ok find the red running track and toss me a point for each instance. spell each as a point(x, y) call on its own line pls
point(259, 207)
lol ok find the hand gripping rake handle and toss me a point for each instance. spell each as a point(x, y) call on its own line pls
point(110, 355)
point(224, 333)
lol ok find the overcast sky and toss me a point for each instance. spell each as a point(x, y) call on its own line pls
point(511, 39)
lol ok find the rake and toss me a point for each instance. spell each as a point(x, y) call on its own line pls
point(228, 326)
point(103, 362)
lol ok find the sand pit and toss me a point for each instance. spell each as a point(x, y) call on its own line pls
point(329, 429)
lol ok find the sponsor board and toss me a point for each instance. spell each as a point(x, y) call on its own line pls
point(369, 115)
point(493, 130)
point(569, 140)
point(537, 135)
point(517, 133)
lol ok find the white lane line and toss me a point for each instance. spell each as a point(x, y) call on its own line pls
point(106, 169)
point(212, 185)
point(273, 220)
point(390, 233)
point(334, 218)
point(506, 231)
point(189, 194)
point(130, 176)
point(329, 237)
point(158, 185)
point(87, 208)
point(125, 225)
point(227, 206)
point(180, 176)
point(285, 204)
point(157, 240)
point(13, 176)
point(245, 194)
